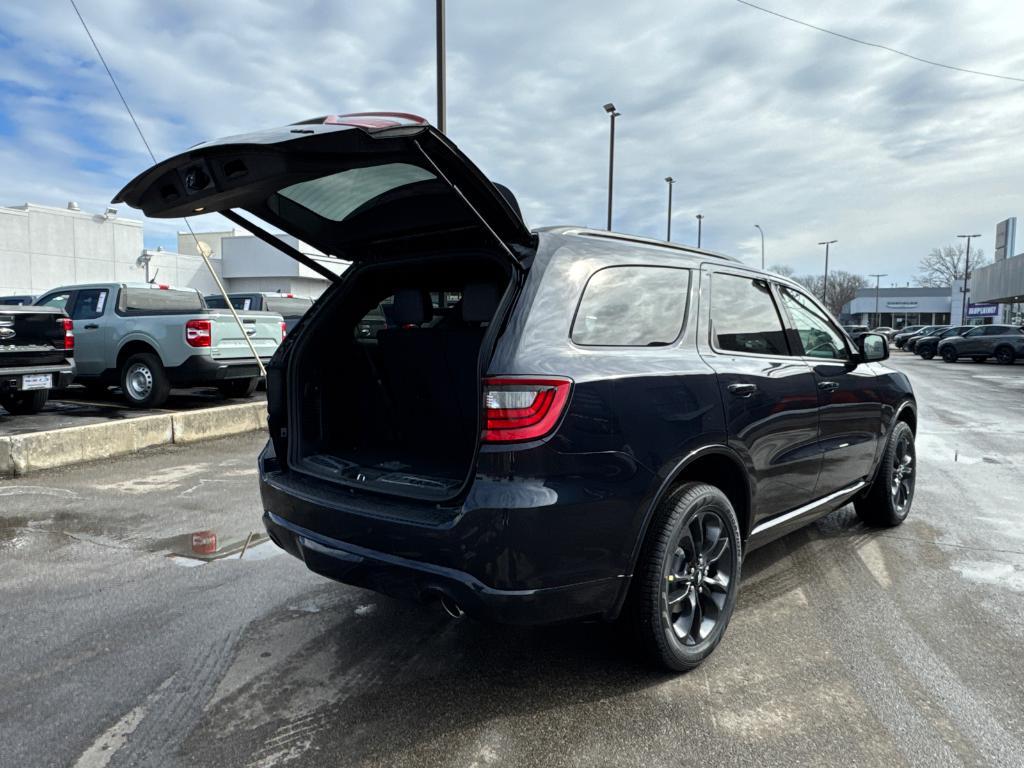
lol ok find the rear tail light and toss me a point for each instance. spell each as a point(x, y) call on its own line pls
point(199, 333)
point(284, 330)
point(69, 335)
point(518, 409)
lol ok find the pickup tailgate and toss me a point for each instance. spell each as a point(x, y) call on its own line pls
point(31, 336)
point(263, 328)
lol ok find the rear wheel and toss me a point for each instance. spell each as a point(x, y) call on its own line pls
point(887, 502)
point(238, 387)
point(1005, 355)
point(23, 403)
point(687, 577)
point(949, 354)
point(144, 381)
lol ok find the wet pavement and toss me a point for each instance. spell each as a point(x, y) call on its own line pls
point(77, 406)
point(848, 646)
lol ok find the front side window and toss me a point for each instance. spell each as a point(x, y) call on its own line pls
point(632, 307)
point(744, 317)
point(818, 337)
point(978, 331)
point(90, 304)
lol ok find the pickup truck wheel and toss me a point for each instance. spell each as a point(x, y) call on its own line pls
point(1005, 355)
point(144, 381)
point(23, 403)
point(687, 577)
point(887, 502)
point(238, 387)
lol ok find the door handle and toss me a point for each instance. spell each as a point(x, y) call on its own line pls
point(742, 390)
point(90, 326)
point(828, 386)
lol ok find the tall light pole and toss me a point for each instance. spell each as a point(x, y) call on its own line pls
point(441, 95)
point(878, 277)
point(700, 227)
point(824, 287)
point(610, 109)
point(967, 272)
point(670, 181)
point(762, 243)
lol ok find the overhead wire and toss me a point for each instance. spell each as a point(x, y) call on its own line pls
point(890, 49)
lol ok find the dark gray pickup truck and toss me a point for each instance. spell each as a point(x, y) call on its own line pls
point(37, 347)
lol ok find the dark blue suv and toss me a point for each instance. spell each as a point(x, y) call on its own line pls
point(543, 425)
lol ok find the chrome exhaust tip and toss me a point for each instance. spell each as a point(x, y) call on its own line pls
point(453, 609)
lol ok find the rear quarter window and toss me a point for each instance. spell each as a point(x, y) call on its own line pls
point(632, 306)
point(159, 300)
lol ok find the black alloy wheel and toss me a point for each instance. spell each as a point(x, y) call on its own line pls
point(887, 502)
point(949, 354)
point(1005, 355)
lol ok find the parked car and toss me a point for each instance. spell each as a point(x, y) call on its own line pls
point(855, 330)
point(289, 306)
point(147, 338)
point(927, 346)
point(578, 435)
point(885, 330)
point(1003, 342)
point(901, 337)
point(37, 354)
point(17, 300)
point(910, 345)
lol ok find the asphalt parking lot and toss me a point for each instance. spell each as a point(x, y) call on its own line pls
point(77, 406)
point(848, 646)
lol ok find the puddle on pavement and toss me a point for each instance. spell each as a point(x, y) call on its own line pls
point(201, 547)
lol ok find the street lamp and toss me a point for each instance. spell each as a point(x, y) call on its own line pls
point(824, 287)
point(700, 227)
point(441, 107)
point(762, 243)
point(878, 277)
point(610, 109)
point(670, 181)
point(967, 272)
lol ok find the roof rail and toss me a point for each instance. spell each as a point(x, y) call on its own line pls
point(605, 234)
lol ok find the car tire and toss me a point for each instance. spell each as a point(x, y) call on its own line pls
point(979, 359)
point(949, 355)
point(238, 387)
point(144, 381)
point(689, 570)
point(24, 403)
point(887, 502)
point(1005, 355)
point(927, 354)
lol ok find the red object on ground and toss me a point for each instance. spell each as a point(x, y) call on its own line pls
point(204, 542)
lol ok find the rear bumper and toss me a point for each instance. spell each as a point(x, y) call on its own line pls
point(63, 375)
point(202, 369)
point(410, 579)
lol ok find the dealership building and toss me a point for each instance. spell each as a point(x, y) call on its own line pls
point(43, 247)
point(1002, 282)
point(898, 307)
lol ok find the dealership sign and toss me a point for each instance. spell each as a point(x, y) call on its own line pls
point(982, 310)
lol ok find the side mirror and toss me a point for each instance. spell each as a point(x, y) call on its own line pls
point(873, 347)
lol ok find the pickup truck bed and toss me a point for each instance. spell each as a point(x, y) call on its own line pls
point(36, 355)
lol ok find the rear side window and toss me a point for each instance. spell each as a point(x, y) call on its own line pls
point(632, 307)
point(161, 300)
point(744, 317)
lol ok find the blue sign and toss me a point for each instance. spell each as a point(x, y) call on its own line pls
point(982, 310)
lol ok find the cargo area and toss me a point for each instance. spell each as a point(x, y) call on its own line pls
point(385, 387)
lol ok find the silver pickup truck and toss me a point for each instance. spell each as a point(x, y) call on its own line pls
point(148, 338)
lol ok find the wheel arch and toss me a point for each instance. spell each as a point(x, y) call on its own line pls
point(135, 347)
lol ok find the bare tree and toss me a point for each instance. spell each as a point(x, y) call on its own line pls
point(842, 286)
point(945, 266)
point(782, 270)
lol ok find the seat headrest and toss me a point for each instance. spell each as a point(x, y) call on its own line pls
point(479, 302)
point(412, 306)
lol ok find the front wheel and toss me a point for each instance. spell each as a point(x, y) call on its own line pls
point(144, 381)
point(238, 387)
point(24, 403)
point(1005, 355)
point(949, 355)
point(887, 502)
point(687, 577)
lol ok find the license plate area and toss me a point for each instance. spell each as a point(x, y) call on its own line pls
point(37, 381)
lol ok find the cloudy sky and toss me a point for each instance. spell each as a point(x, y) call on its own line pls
point(759, 120)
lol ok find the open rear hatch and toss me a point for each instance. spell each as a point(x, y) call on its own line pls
point(383, 389)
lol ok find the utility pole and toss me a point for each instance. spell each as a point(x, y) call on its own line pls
point(878, 277)
point(668, 232)
point(762, 244)
point(700, 227)
point(967, 273)
point(610, 109)
point(824, 287)
point(442, 121)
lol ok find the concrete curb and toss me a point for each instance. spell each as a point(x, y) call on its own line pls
point(21, 454)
